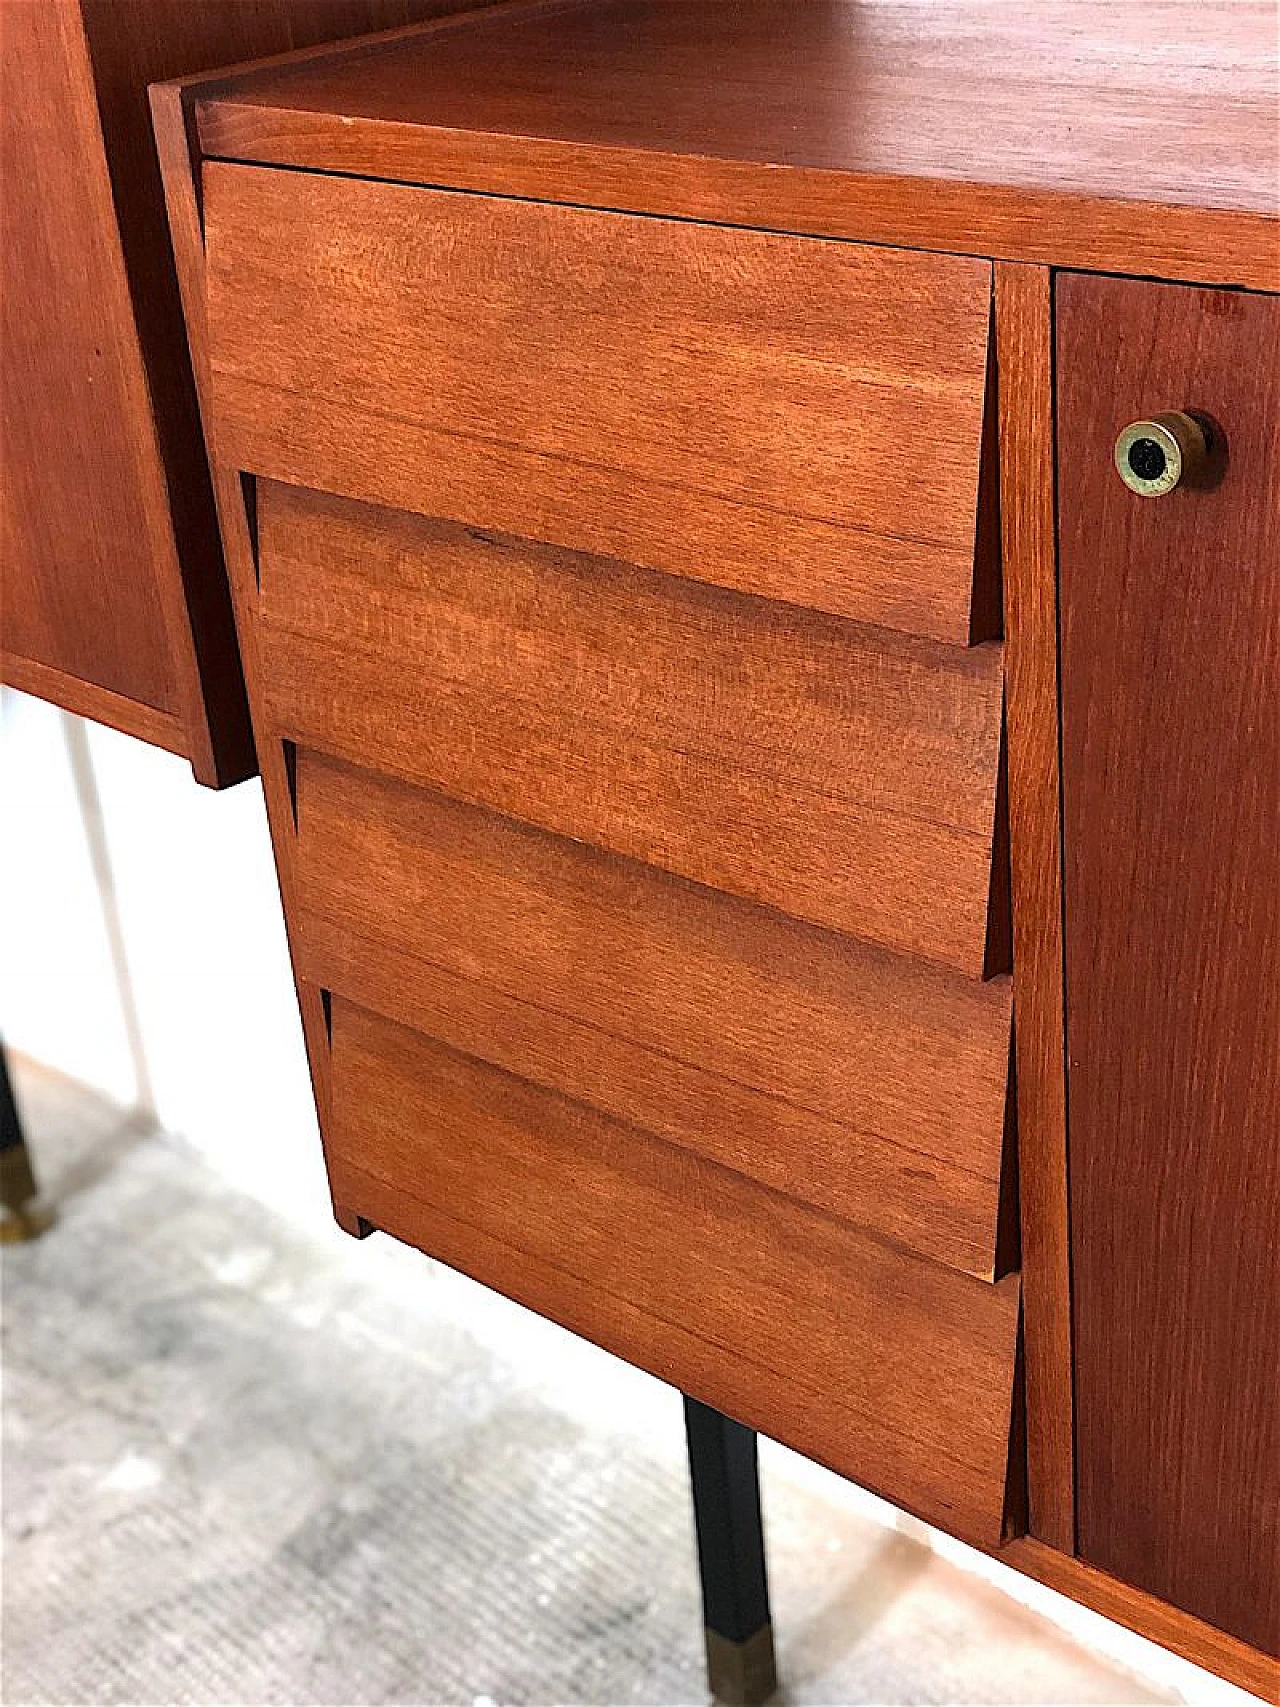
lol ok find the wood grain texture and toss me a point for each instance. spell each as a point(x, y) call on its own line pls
point(1171, 790)
point(864, 1083)
point(679, 397)
point(1024, 349)
point(895, 1371)
point(1058, 133)
point(1178, 1631)
point(845, 775)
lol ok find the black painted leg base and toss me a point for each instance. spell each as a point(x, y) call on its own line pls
point(742, 1674)
point(22, 1215)
point(735, 1585)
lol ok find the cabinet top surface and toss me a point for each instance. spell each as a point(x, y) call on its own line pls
point(1011, 111)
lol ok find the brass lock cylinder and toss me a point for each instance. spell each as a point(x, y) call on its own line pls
point(1154, 456)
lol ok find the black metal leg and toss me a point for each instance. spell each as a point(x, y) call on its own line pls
point(21, 1216)
point(735, 1585)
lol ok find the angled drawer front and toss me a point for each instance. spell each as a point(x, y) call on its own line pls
point(867, 1084)
point(782, 415)
point(618, 604)
point(841, 774)
point(893, 1371)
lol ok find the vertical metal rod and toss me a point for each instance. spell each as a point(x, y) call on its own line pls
point(75, 733)
point(725, 1480)
point(10, 1125)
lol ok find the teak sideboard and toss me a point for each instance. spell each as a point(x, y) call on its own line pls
point(754, 533)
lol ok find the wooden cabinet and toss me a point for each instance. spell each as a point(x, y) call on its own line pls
point(1171, 815)
point(731, 913)
point(115, 600)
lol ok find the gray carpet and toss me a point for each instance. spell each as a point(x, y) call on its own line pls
point(248, 1461)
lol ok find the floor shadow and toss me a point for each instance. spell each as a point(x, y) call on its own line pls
point(839, 1626)
point(67, 1176)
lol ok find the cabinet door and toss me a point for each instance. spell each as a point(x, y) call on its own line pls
point(1170, 611)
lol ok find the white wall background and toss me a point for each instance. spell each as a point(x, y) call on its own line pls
point(217, 1047)
point(200, 1024)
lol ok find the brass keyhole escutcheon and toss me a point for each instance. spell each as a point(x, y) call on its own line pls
point(1155, 455)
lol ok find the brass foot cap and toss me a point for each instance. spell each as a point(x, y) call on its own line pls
point(742, 1674)
point(17, 1182)
point(17, 1226)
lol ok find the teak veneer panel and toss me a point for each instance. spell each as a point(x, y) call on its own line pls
point(1171, 796)
point(845, 775)
point(868, 1084)
point(680, 397)
point(892, 1370)
point(1068, 132)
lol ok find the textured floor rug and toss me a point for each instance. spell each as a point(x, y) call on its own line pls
point(250, 1461)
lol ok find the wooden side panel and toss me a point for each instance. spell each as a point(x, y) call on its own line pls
point(1024, 346)
point(1171, 789)
point(894, 1371)
point(115, 599)
point(85, 520)
point(679, 397)
point(842, 774)
point(867, 1084)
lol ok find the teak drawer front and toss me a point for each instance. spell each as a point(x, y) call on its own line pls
point(786, 416)
point(842, 774)
point(868, 1084)
point(893, 1371)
